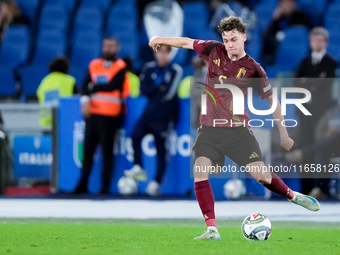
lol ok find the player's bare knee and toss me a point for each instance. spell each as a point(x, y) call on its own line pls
point(202, 161)
point(201, 172)
point(201, 168)
point(200, 179)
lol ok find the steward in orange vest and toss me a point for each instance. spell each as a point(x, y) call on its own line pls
point(103, 102)
point(103, 94)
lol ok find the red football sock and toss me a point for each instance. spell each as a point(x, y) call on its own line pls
point(205, 198)
point(279, 187)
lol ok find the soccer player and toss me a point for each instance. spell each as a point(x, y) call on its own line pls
point(228, 63)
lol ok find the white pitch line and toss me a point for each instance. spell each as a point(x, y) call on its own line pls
point(150, 209)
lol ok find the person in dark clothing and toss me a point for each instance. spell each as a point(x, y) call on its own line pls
point(284, 16)
point(316, 73)
point(103, 93)
point(159, 83)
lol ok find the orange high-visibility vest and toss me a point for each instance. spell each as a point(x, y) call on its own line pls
point(107, 103)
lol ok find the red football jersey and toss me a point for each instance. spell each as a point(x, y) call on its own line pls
point(239, 73)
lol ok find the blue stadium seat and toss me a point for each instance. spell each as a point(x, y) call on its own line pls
point(54, 17)
point(15, 46)
point(121, 17)
point(120, 26)
point(272, 3)
point(30, 9)
point(31, 77)
point(256, 34)
point(235, 6)
point(195, 17)
point(86, 47)
point(102, 4)
point(88, 19)
point(293, 48)
point(145, 54)
point(333, 46)
point(50, 44)
point(132, 2)
point(253, 48)
point(332, 17)
point(264, 14)
point(314, 8)
point(79, 73)
point(69, 5)
point(181, 57)
point(187, 71)
point(129, 44)
point(7, 81)
point(208, 34)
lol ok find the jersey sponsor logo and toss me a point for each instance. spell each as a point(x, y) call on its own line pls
point(265, 89)
point(217, 62)
point(254, 155)
point(241, 72)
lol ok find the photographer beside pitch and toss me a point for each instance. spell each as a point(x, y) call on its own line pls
point(228, 63)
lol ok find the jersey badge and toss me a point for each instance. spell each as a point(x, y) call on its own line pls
point(241, 72)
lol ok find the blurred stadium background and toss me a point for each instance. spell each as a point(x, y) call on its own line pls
point(75, 28)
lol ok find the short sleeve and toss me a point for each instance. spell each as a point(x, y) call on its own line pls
point(204, 47)
point(266, 88)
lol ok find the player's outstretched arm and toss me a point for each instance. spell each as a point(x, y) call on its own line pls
point(286, 141)
point(178, 42)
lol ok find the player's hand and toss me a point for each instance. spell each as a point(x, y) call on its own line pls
point(154, 43)
point(287, 143)
point(85, 110)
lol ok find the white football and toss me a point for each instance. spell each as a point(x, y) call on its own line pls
point(127, 186)
point(234, 189)
point(256, 227)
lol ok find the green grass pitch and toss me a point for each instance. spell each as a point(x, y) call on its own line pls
point(66, 236)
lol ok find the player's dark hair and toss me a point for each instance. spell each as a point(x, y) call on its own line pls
point(59, 64)
point(231, 23)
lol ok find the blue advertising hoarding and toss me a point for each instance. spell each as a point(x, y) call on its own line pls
point(32, 156)
point(176, 180)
